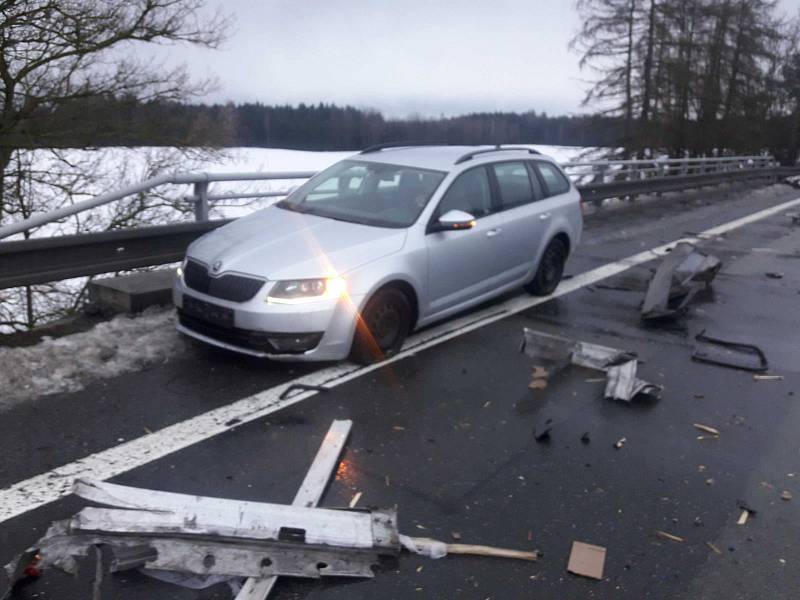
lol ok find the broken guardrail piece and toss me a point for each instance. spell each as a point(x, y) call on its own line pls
point(619, 365)
point(214, 536)
point(198, 541)
point(682, 273)
point(738, 355)
point(622, 383)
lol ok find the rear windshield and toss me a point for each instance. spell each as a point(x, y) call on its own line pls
point(368, 193)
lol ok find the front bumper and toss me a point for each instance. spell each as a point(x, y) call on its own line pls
point(317, 331)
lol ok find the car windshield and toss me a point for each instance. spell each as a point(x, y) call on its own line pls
point(368, 193)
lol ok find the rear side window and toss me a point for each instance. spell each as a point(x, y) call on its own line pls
point(554, 180)
point(514, 183)
point(470, 192)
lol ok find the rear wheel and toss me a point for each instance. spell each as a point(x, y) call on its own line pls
point(382, 326)
point(551, 268)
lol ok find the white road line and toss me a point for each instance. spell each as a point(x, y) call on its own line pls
point(39, 490)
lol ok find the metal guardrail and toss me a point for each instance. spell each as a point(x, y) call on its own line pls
point(200, 196)
point(39, 260)
point(28, 262)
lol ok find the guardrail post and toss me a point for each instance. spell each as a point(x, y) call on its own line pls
point(201, 201)
point(599, 176)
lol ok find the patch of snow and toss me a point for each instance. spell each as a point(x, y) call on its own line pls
point(121, 345)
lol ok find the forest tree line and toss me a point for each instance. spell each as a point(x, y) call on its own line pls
point(694, 76)
point(112, 121)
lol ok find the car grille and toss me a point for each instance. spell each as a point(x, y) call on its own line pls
point(235, 288)
point(261, 341)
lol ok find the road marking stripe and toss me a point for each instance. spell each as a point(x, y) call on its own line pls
point(42, 489)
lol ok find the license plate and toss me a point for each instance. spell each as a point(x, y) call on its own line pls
point(219, 315)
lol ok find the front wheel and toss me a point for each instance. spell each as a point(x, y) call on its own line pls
point(382, 327)
point(551, 268)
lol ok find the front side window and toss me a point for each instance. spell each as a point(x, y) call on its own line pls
point(553, 178)
point(470, 192)
point(514, 183)
point(368, 193)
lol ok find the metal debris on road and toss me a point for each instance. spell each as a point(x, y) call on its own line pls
point(682, 273)
point(619, 365)
point(707, 429)
point(768, 377)
point(587, 560)
point(622, 384)
point(199, 541)
point(205, 536)
point(726, 353)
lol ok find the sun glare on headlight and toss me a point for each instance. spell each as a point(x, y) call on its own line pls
point(335, 287)
point(307, 290)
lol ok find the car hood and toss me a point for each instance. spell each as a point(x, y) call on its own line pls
point(280, 244)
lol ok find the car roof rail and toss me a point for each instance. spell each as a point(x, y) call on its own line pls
point(407, 144)
point(498, 148)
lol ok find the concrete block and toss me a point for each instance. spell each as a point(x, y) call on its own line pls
point(133, 293)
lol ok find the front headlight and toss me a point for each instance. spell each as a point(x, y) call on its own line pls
point(297, 291)
point(179, 271)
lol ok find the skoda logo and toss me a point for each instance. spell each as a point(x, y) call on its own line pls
point(216, 266)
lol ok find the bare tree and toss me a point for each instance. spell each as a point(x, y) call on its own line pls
point(55, 51)
point(607, 42)
point(687, 76)
point(59, 53)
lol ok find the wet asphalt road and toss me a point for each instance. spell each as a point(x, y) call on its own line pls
point(446, 435)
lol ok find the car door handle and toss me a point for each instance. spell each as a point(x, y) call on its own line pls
point(493, 232)
point(544, 216)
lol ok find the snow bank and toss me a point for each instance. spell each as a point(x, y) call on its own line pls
point(67, 364)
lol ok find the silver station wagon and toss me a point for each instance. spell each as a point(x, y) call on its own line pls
point(377, 245)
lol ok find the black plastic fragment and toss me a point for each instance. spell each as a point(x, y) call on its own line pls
point(737, 355)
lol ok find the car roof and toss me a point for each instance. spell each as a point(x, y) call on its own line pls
point(442, 158)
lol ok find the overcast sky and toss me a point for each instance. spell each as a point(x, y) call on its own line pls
point(399, 56)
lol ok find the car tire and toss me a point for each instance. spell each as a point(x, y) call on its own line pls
point(550, 270)
point(381, 327)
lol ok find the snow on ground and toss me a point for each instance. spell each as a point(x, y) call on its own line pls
point(67, 364)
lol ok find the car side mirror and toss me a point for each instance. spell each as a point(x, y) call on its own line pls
point(453, 220)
